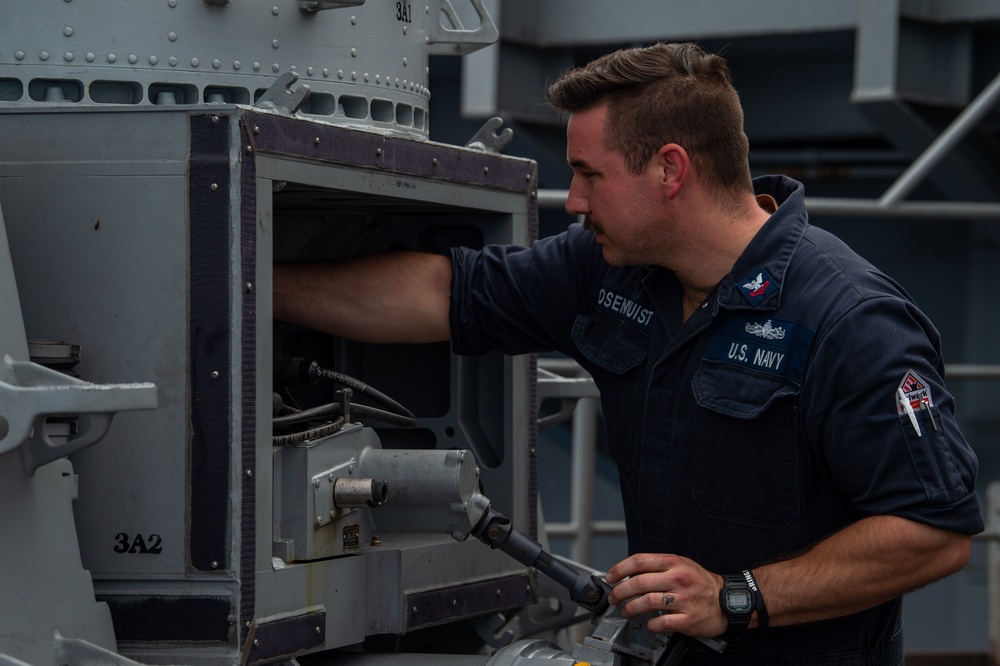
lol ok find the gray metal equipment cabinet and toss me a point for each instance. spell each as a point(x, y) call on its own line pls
point(145, 236)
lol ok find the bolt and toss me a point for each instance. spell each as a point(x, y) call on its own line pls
point(316, 483)
point(486, 170)
point(376, 540)
point(214, 187)
point(249, 473)
point(378, 152)
point(249, 286)
point(493, 532)
point(215, 374)
point(319, 520)
point(215, 565)
point(256, 129)
point(318, 631)
point(592, 596)
point(316, 141)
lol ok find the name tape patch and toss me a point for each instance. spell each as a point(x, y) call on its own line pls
point(775, 346)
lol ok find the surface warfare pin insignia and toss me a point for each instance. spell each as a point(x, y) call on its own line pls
point(757, 287)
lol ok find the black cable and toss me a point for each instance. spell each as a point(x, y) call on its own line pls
point(332, 408)
point(364, 389)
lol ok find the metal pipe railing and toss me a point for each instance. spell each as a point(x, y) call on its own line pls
point(844, 207)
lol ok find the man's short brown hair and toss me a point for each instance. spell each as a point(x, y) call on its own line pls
point(660, 94)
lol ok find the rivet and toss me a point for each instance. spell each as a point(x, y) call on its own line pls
point(172, 60)
point(112, 57)
point(404, 29)
point(434, 161)
point(133, 58)
point(378, 79)
point(172, 36)
point(366, 76)
point(316, 483)
point(414, 610)
point(275, 10)
point(354, 20)
point(454, 602)
point(527, 177)
point(486, 170)
point(340, 73)
point(256, 642)
point(217, 63)
point(256, 129)
point(275, 67)
point(256, 67)
point(91, 57)
point(350, 469)
point(249, 473)
point(404, 62)
point(195, 62)
point(44, 55)
point(19, 55)
point(354, 76)
point(316, 141)
point(318, 630)
point(215, 186)
point(68, 31)
point(172, 3)
point(215, 565)
point(237, 64)
point(215, 374)
point(249, 150)
point(319, 520)
point(326, 72)
point(215, 120)
point(153, 60)
point(274, 43)
point(310, 70)
point(249, 285)
point(378, 152)
point(68, 56)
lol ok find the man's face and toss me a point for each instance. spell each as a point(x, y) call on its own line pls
point(623, 210)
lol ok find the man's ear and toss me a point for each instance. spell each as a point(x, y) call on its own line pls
point(675, 167)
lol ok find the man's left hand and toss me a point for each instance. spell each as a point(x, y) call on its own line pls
point(685, 593)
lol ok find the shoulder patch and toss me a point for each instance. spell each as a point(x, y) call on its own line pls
point(914, 390)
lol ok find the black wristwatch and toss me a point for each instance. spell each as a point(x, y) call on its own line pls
point(739, 598)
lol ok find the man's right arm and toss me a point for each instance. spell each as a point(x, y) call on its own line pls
point(394, 297)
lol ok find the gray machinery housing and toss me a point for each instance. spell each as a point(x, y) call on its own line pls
point(156, 159)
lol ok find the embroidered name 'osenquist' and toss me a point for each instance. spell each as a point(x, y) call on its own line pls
point(623, 306)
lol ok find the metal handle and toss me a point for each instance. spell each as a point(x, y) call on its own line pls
point(457, 40)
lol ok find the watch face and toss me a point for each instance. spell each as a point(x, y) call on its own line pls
point(739, 601)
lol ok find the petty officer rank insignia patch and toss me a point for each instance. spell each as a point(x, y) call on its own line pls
point(774, 346)
point(915, 390)
point(757, 286)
